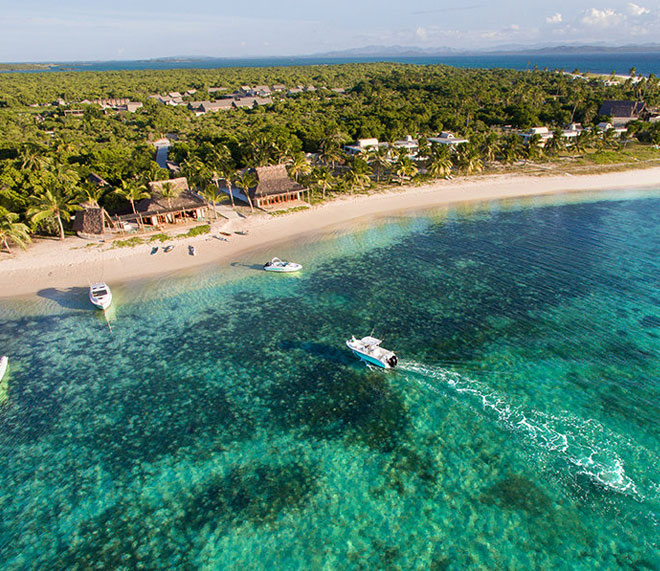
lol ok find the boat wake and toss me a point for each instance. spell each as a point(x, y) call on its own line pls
point(584, 444)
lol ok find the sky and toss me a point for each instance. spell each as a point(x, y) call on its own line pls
point(73, 30)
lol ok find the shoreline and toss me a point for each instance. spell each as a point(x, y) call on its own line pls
point(52, 264)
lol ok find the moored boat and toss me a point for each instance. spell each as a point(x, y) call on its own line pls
point(100, 295)
point(277, 265)
point(4, 361)
point(369, 350)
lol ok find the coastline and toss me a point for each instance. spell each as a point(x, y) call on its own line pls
point(53, 264)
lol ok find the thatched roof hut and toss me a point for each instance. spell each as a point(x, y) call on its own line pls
point(156, 204)
point(274, 187)
point(90, 221)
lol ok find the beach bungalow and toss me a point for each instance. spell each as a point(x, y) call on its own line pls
point(363, 146)
point(622, 112)
point(90, 221)
point(447, 138)
point(543, 133)
point(186, 206)
point(408, 143)
point(605, 126)
point(275, 190)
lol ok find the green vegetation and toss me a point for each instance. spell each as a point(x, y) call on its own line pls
point(196, 231)
point(128, 243)
point(162, 237)
point(47, 156)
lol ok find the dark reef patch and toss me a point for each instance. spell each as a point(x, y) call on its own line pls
point(331, 401)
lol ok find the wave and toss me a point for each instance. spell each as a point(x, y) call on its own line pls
point(584, 444)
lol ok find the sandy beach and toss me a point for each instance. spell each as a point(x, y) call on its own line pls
point(77, 262)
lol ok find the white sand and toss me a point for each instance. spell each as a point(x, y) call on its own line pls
point(56, 264)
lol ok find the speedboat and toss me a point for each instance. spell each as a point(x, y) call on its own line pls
point(100, 295)
point(277, 265)
point(4, 361)
point(369, 350)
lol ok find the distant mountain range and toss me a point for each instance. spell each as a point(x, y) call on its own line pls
point(403, 51)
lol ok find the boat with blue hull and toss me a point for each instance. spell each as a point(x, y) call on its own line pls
point(369, 350)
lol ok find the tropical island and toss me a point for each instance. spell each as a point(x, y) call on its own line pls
point(127, 159)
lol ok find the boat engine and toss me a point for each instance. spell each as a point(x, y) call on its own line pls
point(392, 361)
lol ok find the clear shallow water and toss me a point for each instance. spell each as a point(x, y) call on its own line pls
point(223, 423)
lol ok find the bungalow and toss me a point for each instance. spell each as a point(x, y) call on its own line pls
point(279, 87)
point(186, 206)
point(622, 112)
point(201, 107)
point(606, 126)
point(363, 146)
point(407, 143)
point(447, 138)
point(216, 89)
point(131, 106)
point(274, 190)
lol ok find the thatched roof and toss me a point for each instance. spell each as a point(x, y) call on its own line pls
point(89, 221)
point(618, 108)
point(274, 180)
point(186, 200)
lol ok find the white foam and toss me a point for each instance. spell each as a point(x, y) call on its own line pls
point(583, 444)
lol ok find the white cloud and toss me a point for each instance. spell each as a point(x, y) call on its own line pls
point(554, 19)
point(637, 10)
point(601, 18)
point(421, 33)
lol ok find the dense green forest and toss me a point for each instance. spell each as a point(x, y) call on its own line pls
point(46, 156)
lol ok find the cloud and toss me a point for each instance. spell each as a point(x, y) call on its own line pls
point(421, 33)
point(637, 10)
point(601, 18)
point(554, 19)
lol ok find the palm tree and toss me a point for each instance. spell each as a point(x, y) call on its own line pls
point(169, 192)
point(323, 179)
point(132, 190)
point(356, 179)
point(439, 161)
point(405, 168)
point(468, 159)
point(245, 181)
point(380, 158)
point(227, 172)
point(211, 193)
point(53, 203)
point(11, 229)
point(298, 165)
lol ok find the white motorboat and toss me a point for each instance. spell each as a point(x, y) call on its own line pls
point(4, 361)
point(369, 350)
point(100, 295)
point(277, 265)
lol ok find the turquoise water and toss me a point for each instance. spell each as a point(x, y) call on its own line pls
point(218, 421)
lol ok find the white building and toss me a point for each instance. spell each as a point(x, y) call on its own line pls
point(447, 138)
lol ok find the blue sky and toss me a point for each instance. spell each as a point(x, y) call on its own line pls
point(120, 29)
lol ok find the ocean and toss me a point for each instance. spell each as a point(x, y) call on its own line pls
point(621, 63)
point(217, 420)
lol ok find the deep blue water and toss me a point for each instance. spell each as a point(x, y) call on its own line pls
point(645, 63)
point(223, 424)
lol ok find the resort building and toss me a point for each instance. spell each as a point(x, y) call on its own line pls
point(606, 126)
point(622, 112)
point(157, 210)
point(275, 190)
point(363, 146)
point(412, 145)
point(447, 138)
point(543, 133)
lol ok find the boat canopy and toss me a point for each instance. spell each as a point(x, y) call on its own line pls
point(371, 341)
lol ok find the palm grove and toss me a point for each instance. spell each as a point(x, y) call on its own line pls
point(47, 157)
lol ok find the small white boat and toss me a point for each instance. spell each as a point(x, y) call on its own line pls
point(168, 248)
point(4, 361)
point(100, 295)
point(277, 265)
point(369, 350)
